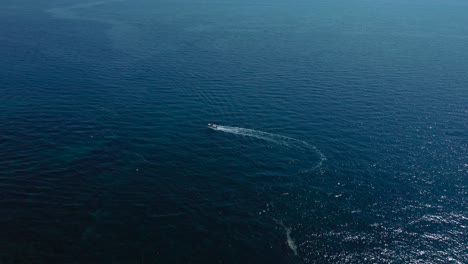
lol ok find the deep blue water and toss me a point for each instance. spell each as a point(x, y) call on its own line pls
point(344, 133)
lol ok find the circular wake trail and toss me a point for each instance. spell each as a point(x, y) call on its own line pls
point(274, 138)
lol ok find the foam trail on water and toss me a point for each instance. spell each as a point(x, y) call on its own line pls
point(277, 139)
point(289, 241)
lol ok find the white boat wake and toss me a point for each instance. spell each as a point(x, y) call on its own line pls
point(276, 139)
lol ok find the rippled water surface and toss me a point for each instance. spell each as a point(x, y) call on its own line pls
point(342, 137)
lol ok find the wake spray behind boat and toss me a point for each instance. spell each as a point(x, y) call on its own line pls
point(291, 143)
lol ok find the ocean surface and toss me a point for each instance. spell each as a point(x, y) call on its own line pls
point(342, 137)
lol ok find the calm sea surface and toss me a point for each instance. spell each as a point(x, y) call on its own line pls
point(342, 138)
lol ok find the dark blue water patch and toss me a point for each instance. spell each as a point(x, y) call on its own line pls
point(105, 155)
